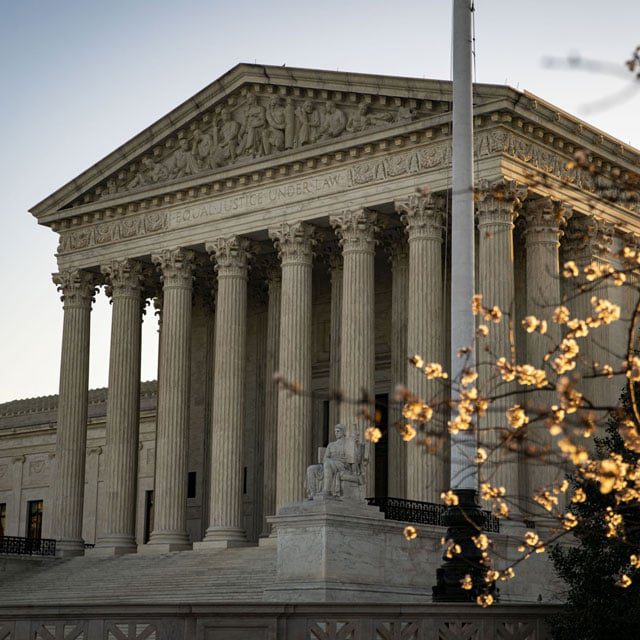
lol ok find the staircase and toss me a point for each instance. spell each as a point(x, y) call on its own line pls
point(229, 575)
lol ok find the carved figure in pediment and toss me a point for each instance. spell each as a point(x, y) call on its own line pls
point(333, 121)
point(227, 139)
point(274, 134)
point(204, 148)
point(253, 128)
point(183, 161)
point(110, 189)
point(308, 124)
point(363, 119)
point(290, 124)
point(150, 172)
point(405, 114)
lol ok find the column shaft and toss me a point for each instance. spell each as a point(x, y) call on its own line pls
point(170, 489)
point(77, 288)
point(544, 219)
point(271, 398)
point(295, 246)
point(335, 261)
point(496, 211)
point(225, 509)
point(425, 459)
point(399, 257)
point(356, 230)
point(123, 408)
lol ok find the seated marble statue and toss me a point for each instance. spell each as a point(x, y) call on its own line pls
point(341, 465)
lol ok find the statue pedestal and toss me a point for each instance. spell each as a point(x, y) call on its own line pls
point(332, 550)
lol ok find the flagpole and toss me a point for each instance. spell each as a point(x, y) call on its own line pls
point(465, 518)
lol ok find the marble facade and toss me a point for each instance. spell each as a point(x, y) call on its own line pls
point(280, 223)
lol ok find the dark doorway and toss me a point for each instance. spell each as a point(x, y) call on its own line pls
point(148, 515)
point(34, 519)
point(382, 446)
point(3, 518)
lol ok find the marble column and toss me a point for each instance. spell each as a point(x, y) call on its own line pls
point(356, 231)
point(227, 458)
point(588, 240)
point(124, 279)
point(77, 288)
point(543, 222)
point(423, 217)
point(496, 211)
point(398, 252)
point(169, 533)
point(274, 280)
point(294, 243)
point(335, 335)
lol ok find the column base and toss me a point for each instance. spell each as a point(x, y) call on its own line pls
point(222, 538)
point(113, 546)
point(69, 548)
point(166, 542)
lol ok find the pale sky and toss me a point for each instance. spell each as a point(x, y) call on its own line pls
point(79, 78)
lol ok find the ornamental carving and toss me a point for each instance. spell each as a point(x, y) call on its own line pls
point(356, 229)
point(544, 220)
point(332, 630)
point(423, 215)
point(255, 125)
point(231, 255)
point(176, 267)
point(294, 242)
point(78, 287)
point(124, 276)
point(498, 202)
point(588, 238)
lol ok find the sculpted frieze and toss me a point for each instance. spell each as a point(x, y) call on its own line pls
point(255, 126)
point(364, 172)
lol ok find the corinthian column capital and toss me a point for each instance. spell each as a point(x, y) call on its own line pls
point(124, 277)
point(588, 238)
point(231, 255)
point(544, 221)
point(422, 215)
point(176, 267)
point(356, 229)
point(294, 242)
point(498, 202)
point(78, 287)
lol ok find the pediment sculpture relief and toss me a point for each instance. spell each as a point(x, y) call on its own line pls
point(258, 126)
point(340, 472)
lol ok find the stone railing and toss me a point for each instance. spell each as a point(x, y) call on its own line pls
point(423, 512)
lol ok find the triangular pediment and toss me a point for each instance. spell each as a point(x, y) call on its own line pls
point(249, 115)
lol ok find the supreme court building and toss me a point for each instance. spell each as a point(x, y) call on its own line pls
point(296, 222)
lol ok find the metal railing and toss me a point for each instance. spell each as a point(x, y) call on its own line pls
point(12, 545)
point(423, 512)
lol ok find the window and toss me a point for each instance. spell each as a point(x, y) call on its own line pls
point(34, 519)
point(191, 484)
point(3, 518)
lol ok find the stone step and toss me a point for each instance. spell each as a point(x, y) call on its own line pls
point(221, 576)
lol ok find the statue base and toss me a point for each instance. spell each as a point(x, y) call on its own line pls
point(341, 550)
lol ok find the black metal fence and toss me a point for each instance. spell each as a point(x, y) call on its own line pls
point(15, 546)
point(423, 512)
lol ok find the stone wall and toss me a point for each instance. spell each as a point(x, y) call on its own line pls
point(280, 622)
